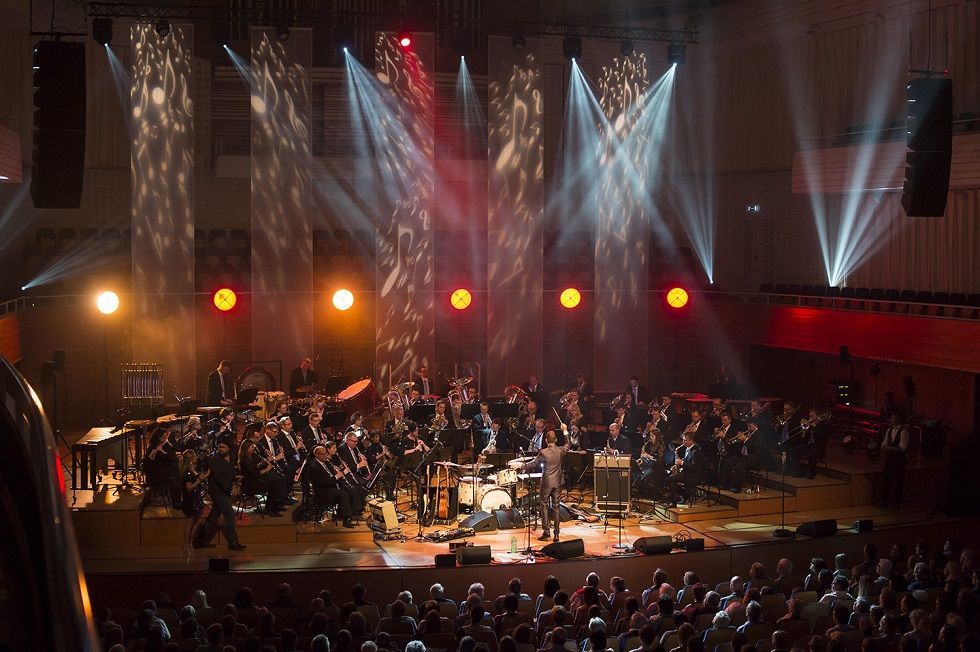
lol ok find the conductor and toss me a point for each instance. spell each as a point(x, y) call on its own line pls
point(549, 460)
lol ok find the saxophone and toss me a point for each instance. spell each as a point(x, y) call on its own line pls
point(674, 469)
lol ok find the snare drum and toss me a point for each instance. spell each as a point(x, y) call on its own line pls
point(507, 477)
point(493, 497)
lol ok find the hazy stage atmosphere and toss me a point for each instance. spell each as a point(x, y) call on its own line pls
point(385, 308)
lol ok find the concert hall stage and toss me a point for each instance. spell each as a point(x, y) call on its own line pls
point(121, 549)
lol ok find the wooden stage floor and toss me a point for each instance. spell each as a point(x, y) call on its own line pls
point(114, 538)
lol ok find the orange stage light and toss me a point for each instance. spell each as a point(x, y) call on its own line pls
point(225, 299)
point(677, 297)
point(461, 299)
point(570, 298)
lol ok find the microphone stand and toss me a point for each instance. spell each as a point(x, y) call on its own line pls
point(781, 532)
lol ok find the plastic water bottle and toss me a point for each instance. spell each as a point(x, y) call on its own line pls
point(513, 545)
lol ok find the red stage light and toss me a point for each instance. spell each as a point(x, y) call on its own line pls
point(225, 299)
point(461, 299)
point(677, 297)
point(405, 39)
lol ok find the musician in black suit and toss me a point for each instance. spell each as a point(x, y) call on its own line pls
point(690, 470)
point(481, 427)
point(312, 435)
point(292, 445)
point(702, 430)
point(666, 428)
point(749, 452)
point(639, 396)
point(351, 454)
point(810, 445)
point(786, 423)
point(267, 445)
point(617, 442)
point(220, 389)
point(586, 398)
point(327, 482)
point(535, 391)
point(425, 385)
point(302, 376)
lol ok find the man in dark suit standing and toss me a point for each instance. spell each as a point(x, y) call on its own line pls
point(302, 378)
point(424, 384)
point(219, 487)
point(751, 452)
point(690, 465)
point(549, 460)
point(535, 391)
point(220, 390)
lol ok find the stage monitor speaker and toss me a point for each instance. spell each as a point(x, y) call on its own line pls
point(383, 515)
point(824, 528)
point(219, 565)
point(845, 354)
point(509, 519)
point(864, 525)
point(694, 545)
point(445, 560)
point(59, 124)
point(473, 555)
point(929, 124)
point(565, 514)
point(564, 549)
point(654, 545)
point(480, 522)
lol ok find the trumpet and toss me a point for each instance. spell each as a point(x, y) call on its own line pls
point(739, 436)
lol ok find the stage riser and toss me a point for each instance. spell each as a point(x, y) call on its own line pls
point(713, 565)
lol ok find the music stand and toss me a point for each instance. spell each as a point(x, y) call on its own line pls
point(336, 384)
point(452, 440)
point(422, 413)
point(504, 410)
point(336, 420)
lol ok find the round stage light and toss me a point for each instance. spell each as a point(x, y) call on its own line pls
point(570, 298)
point(461, 299)
point(405, 39)
point(677, 297)
point(107, 302)
point(343, 299)
point(225, 299)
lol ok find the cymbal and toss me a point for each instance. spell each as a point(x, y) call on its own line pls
point(521, 460)
point(401, 387)
point(303, 388)
point(446, 463)
point(476, 466)
point(139, 423)
point(459, 382)
point(210, 408)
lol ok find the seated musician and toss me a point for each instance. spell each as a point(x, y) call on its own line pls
point(293, 448)
point(654, 474)
point(537, 437)
point(661, 423)
point(576, 443)
point(357, 426)
point(397, 423)
point(722, 433)
point(535, 391)
point(414, 396)
point(411, 448)
point(269, 448)
point(481, 427)
point(701, 430)
point(192, 439)
point(760, 413)
point(689, 465)
point(530, 418)
point(617, 443)
point(259, 475)
point(352, 455)
point(718, 408)
point(750, 452)
point(810, 445)
point(440, 420)
point(496, 440)
point(224, 430)
point(312, 435)
point(328, 483)
point(160, 463)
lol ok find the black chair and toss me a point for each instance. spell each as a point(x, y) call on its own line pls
point(924, 296)
point(780, 288)
point(765, 288)
point(875, 294)
point(793, 288)
point(845, 292)
point(808, 290)
point(907, 295)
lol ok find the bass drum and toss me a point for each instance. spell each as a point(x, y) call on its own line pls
point(493, 497)
point(252, 381)
point(468, 490)
point(361, 396)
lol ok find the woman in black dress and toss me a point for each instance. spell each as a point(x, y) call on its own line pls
point(192, 503)
point(160, 465)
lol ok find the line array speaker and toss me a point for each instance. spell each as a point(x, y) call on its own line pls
point(930, 142)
